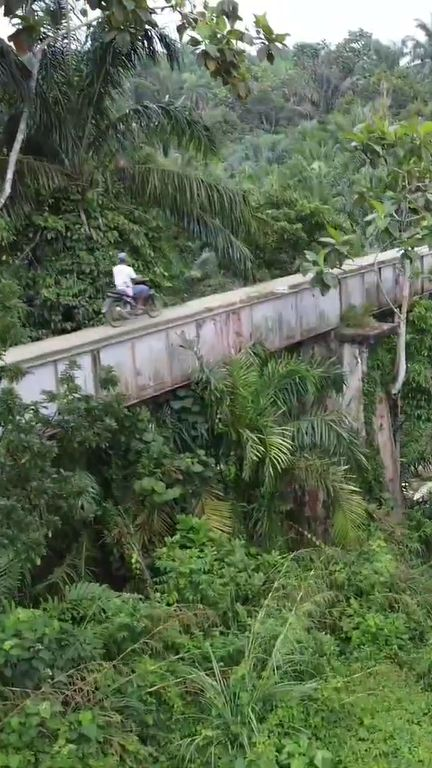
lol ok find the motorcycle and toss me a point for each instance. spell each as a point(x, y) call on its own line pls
point(119, 307)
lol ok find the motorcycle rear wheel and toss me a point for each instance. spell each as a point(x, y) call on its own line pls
point(114, 312)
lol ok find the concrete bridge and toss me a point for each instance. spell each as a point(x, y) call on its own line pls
point(152, 356)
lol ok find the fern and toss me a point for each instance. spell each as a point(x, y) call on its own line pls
point(73, 569)
point(90, 591)
point(11, 573)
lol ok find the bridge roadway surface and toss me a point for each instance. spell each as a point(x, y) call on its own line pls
point(152, 356)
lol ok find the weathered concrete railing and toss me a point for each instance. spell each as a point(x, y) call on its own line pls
point(155, 355)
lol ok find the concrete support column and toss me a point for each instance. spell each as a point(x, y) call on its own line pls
point(355, 346)
point(354, 362)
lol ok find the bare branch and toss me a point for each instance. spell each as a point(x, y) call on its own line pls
point(383, 290)
point(402, 363)
point(21, 132)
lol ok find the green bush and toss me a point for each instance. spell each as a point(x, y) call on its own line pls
point(288, 224)
point(67, 259)
point(284, 661)
point(199, 566)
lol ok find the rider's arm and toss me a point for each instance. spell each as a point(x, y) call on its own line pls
point(139, 279)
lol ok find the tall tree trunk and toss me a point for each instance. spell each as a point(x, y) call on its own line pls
point(316, 516)
point(389, 456)
point(22, 130)
point(22, 127)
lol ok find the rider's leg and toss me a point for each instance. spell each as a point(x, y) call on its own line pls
point(141, 294)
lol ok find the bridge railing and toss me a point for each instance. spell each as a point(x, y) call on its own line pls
point(151, 356)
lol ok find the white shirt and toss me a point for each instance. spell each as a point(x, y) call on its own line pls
point(123, 278)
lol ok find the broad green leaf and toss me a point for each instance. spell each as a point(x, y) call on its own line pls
point(45, 710)
point(212, 51)
point(323, 759)
point(262, 23)
point(336, 234)
point(331, 280)
point(145, 484)
point(299, 761)
point(235, 34)
point(378, 206)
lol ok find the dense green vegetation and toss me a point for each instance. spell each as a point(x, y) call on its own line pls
point(237, 658)
point(215, 579)
point(185, 166)
point(177, 598)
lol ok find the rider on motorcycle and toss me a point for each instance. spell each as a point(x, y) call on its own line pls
point(124, 279)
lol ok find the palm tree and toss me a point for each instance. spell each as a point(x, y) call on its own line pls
point(289, 456)
point(78, 139)
point(421, 50)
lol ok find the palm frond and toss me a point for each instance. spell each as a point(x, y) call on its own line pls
point(180, 193)
point(330, 432)
point(32, 177)
point(292, 379)
point(133, 537)
point(217, 512)
point(55, 116)
point(14, 74)
point(213, 212)
point(72, 570)
point(32, 171)
point(350, 512)
point(347, 507)
point(56, 12)
point(230, 251)
point(164, 123)
point(268, 451)
point(85, 492)
point(425, 28)
point(107, 65)
point(154, 525)
point(10, 575)
point(82, 591)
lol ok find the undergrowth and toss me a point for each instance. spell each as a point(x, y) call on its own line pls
point(237, 658)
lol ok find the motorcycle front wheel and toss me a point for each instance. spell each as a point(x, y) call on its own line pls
point(153, 306)
point(114, 312)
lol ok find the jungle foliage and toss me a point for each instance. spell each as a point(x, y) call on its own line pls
point(213, 580)
point(185, 165)
point(170, 596)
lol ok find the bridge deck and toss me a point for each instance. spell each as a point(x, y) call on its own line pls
point(155, 355)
